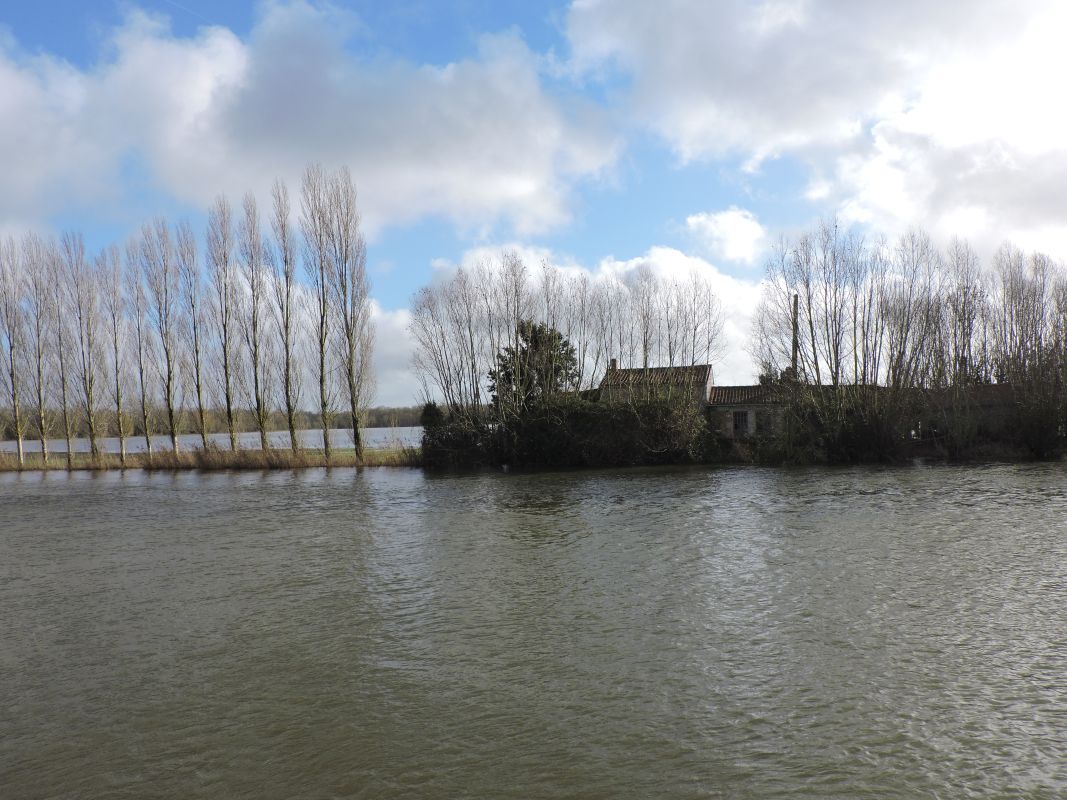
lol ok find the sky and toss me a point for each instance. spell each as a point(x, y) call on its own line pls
point(603, 135)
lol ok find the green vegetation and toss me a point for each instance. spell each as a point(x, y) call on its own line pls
point(567, 431)
point(539, 366)
point(538, 420)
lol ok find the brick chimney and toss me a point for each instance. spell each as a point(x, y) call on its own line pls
point(613, 364)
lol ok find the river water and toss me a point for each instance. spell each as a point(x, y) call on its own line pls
point(680, 633)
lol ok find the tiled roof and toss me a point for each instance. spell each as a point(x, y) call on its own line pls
point(987, 394)
point(743, 395)
point(658, 376)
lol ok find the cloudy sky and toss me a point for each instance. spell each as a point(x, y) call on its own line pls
point(608, 135)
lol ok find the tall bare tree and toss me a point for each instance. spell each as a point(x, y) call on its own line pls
point(85, 303)
point(286, 300)
point(39, 299)
point(114, 307)
point(967, 296)
point(138, 310)
point(351, 294)
point(12, 332)
point(224, 283)
point(255, 316)
point(160, 270)
point(60, 278)
point(460, 325)
point(192, 292)
point(315, 223)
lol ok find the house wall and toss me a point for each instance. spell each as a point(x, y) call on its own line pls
point(762, 420)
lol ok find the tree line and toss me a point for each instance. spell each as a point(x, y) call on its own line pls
point(873, 347)
point(904, 331)
point(515, 354)
point(260, 319)
point(462, 325)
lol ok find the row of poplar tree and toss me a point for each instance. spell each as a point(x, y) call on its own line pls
point(167, 328)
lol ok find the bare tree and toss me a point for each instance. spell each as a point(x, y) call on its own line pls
point(909, 310)
point(12, 332)
point(578, 298)
point(434, 360)
point(224, 283)
point(39, 307)
point(114, 303)
point(139, 314)
point(85, 303)
point(462, 323)
point(159, 267)
point(827, 272)
point(192, 291)
point(60, 278)
point(315, 223)
point(350, 292)
point(255, 267)
point(643, 292)
point(966, 301)
point(286, 298)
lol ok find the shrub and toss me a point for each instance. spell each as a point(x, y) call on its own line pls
point(569, 431)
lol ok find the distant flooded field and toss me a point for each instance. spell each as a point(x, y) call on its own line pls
point(249, 440)
point(889, 633)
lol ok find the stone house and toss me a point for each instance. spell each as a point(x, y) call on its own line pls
point(641, 384)
point(736, 412)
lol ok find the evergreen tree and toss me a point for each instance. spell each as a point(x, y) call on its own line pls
point(541, 364)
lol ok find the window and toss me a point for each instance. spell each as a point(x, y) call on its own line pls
point(740, 423)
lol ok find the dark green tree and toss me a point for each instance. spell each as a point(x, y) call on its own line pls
point(431, 417)
point(542, 364)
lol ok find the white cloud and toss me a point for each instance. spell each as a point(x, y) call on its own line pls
point(530, 255)
point(479, 140)
point(738, 296)
point(981, 150)
point(395, 382)
point(761, 77)
point(734, 234)
point(940, 114)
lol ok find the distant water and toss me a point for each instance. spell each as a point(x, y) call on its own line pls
point(677, 633)
point(339, 437)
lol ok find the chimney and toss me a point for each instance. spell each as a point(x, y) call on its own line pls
point(613, 364)
point(796, 336)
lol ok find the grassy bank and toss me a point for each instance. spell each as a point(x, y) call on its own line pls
point(217, 459)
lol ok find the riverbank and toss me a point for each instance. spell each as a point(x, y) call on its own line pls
point(216, 459)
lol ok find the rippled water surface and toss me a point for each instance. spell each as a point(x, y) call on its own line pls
point(670, 633)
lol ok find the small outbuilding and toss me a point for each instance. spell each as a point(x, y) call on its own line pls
point(740, 412)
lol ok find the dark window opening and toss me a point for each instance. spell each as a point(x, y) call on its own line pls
point(740, 423)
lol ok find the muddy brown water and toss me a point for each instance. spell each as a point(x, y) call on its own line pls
point(620, 634)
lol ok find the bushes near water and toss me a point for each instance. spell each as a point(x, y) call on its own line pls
point(849, 425)
point(572, 432)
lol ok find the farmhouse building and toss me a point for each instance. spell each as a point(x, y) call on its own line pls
point(641, 384)
point(736, 412)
